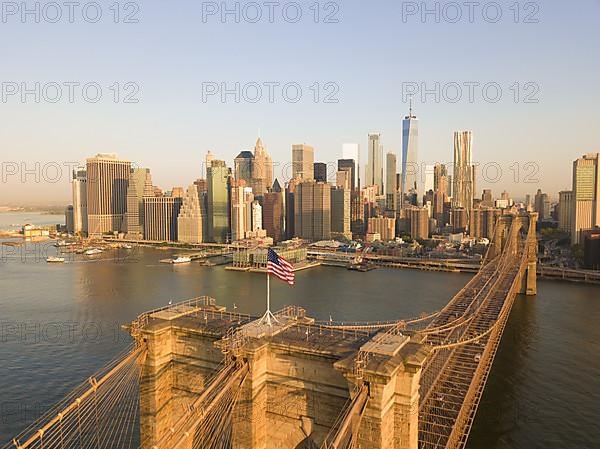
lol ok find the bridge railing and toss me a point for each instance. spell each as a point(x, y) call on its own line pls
point(102, 413)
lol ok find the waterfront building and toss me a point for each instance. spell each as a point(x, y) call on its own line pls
point(80, 212)
point(390, 181)
point(586, 189)
point(385, 227)
point(140, 186)
point(303, 159)
point(262, 169)
point(160, 218)
point(218, 202)
point(256, 258)
point(565, 210)
point(591, 248)
point(462, 197)
point(320, 171)
point(69, 219)
point(312, 211)
point(273, 212)
point(191, 221)
point(340, 212)
point(374, 169)
point(410, 148)
point(107, 182)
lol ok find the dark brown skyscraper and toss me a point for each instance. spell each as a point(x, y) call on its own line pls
point(273, 212)
point(320, 171)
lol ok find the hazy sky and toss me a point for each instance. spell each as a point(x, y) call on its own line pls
point(369, 54)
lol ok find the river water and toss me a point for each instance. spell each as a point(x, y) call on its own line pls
point(59, 323)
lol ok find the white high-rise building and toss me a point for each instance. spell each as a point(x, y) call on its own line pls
point(256, 216)
point(410, 149)
point(429, 178)
point(80, 214)
point(241, 211)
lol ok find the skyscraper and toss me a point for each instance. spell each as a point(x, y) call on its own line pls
point(320, 171)
point(160, 218)
point(542, 205)
point(312, 210)
point(243, 167)
point(586, 189)
point(273, 212)
point(241, 201)
point(340, 213)
point(218, 201)
point(342, 179)
point(390, 181)
point(410, 148)
point(107, 181)
point(262, 169)
point(374, 170)
point(565, 210)
point(349, 165)
point(80, 213)
point(290, 208)
point(351, 151)
point(140, 185)
point(191, 222)
point(303, 159)
point(463, 171)
point(257, 218)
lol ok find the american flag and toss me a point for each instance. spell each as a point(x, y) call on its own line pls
point(280, 267)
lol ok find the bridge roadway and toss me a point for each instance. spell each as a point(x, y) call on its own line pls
point(200, 377)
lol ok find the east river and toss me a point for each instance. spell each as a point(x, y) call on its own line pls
point(543, 392)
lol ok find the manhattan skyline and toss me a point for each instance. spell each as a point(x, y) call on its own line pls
point(170, 129)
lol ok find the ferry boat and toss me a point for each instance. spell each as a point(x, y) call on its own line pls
point(55, 259)
point(92, 252)
point(126, 246)
point(181, 259)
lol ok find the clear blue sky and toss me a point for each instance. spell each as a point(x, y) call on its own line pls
point(369, 54)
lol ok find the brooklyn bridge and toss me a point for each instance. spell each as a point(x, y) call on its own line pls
point(198, 376)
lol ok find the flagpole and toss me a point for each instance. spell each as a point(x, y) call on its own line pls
point(268, 299)
point(268, 318)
